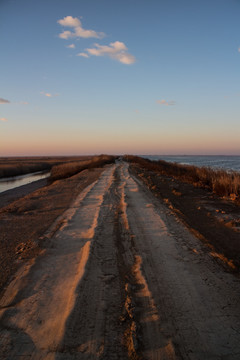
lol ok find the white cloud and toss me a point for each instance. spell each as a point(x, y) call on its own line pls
point(4, 101)
point(3, 119)
point(65, 35)
point(239, 49)
point(78, 30)
point(116, 51)
point(71, 46)
point(70, 21)
point(166, 103)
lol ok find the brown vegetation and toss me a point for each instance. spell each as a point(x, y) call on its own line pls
point(14, 166)
point(71, 168)
point(221, 182)
point(214, 220)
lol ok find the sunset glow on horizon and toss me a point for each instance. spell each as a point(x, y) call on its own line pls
point(123, 77)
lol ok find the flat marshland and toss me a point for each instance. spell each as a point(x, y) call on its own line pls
point(111, 259)
point(14, 166)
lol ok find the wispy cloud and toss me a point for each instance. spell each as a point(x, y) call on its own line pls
point(78, 30)
point(3, 119)
point(239, 49)
point(71, 46)
point(83, 55)
point(48, 94)
point(116, 50)
point(4, 101)
point(166, 103)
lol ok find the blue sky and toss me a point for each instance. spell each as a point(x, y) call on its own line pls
point(130, 76)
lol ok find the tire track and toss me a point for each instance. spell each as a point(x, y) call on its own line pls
point(36, 306)
point(120, 281)
point(145, 338)
point(196, 301)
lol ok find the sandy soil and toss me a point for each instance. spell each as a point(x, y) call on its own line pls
point(27, 212)
point(9, 196)
point(214, 220)
point(121, 278)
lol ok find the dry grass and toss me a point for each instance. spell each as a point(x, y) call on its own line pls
point(221, 182)
point(69, 169)
point(14, 166)
point(21, 169)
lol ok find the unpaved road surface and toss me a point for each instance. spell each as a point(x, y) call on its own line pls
point(122, 278)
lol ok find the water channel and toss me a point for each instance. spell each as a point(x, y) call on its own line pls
point(16, 181)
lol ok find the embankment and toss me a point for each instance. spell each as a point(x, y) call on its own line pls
point(214, 219)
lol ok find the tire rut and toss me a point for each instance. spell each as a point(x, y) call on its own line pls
point(133, 287)
point(98, 327)
point(196, 301)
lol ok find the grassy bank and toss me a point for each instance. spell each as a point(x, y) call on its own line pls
point(221, 182)
point(69, 169)
point(22, 169)
point(14, 166)
point(209, 217)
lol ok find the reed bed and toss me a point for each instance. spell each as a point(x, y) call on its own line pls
point(15, 166)
point(69, 169)
point(221, 182)
point(9, 170)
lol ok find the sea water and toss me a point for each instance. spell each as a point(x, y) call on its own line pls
point(225, 162)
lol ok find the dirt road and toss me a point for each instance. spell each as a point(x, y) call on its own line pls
point(122, 278)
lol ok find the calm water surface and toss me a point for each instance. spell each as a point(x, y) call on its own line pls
point(16, 181)
point(217, 162)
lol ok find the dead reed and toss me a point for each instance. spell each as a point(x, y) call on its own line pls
point(14, 166)
point(9, 170)
point(221, 182)
point(71, 168)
